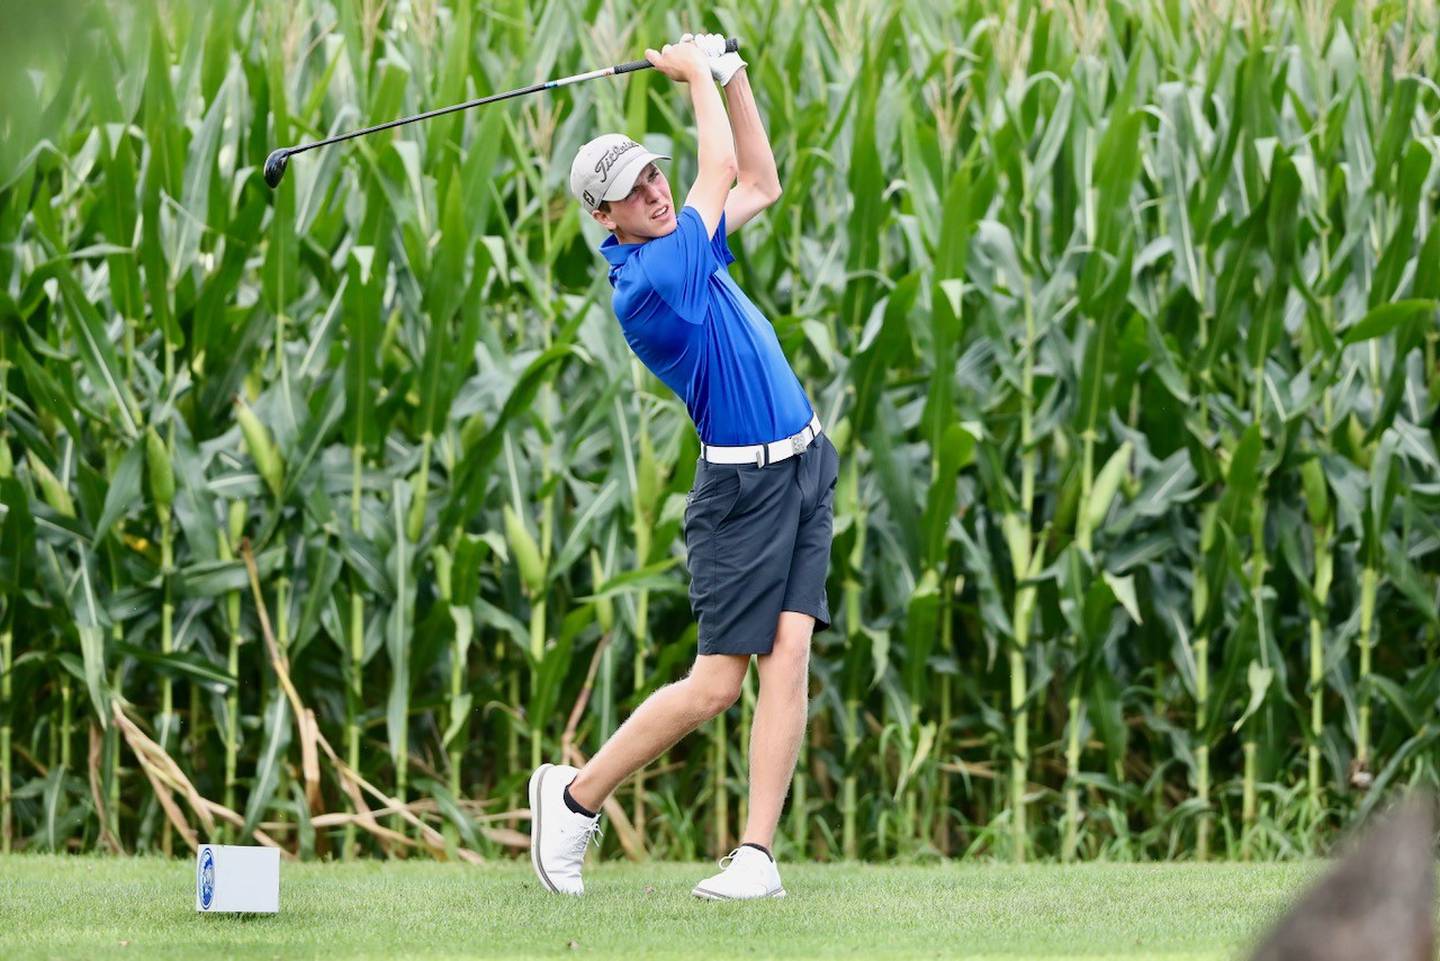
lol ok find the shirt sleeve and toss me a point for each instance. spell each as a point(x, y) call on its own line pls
point(678, 265)
point(721, 246)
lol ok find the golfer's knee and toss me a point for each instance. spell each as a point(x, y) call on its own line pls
point(785, 669)
point(789, 659)
point(790, 648)
point(713, 694)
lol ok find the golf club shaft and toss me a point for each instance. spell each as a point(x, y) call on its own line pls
point(731, 45)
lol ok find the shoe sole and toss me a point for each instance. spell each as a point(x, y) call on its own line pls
point(534, 789)
point(706, 895)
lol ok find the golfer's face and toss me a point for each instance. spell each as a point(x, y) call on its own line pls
point(647, 211)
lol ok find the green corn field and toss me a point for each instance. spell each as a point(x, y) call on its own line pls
point(326, 513)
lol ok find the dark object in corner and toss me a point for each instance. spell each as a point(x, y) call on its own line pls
point(1378, 903)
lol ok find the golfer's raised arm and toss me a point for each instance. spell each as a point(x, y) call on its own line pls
point(718, 164)
point(759, 181)
point(686, 63)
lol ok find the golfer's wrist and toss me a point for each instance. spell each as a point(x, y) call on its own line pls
point(727, 82)
point(725, 67)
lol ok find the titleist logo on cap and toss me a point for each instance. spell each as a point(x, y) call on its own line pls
point(608, 158)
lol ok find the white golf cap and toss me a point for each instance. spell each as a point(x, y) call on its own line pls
point(606, 168)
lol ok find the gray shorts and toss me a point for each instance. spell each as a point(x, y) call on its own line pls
point(757, 542)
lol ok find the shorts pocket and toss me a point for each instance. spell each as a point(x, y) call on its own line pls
point(733, 539)
point(714, 505)
point(745, 478)
point(717, 492)
point(713, 482)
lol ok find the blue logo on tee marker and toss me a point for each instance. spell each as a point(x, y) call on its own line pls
point(207, 878)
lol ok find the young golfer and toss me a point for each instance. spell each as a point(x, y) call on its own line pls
point(758, 518)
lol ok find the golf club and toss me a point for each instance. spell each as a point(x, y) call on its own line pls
point(279, 158)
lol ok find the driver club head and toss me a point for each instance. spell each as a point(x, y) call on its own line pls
point(275, 166)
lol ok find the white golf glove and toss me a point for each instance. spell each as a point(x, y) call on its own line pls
point(722, 65)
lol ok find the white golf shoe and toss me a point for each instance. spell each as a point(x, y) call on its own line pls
point(750, 874)
point(558, 835)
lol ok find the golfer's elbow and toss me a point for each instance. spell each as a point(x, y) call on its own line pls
point(722, 167)
point(765, 191)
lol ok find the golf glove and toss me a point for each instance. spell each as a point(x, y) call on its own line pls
point(722, 65)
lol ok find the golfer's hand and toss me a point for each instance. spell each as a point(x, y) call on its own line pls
point(723, 65)
point(680, 61)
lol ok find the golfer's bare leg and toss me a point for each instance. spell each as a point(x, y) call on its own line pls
point(779, 724)
point(666, 716)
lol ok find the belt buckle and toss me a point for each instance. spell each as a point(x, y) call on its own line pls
point(798, 444)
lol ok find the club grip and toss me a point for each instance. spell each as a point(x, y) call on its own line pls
point(732, 44)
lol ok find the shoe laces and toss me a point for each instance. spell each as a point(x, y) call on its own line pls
point(728, 857)
point(582, 838)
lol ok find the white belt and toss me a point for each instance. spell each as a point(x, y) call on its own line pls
point(763, 454)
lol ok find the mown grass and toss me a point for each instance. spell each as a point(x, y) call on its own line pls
point(72, 907)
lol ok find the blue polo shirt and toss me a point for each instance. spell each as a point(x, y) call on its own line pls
point(696, 330)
